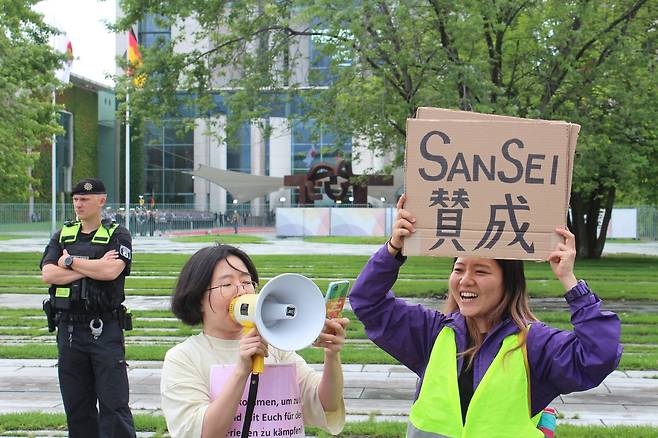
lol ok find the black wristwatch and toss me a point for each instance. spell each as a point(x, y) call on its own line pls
point(68, 262)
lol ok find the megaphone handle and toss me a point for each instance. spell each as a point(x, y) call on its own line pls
point(257, 364)
point(257, 361)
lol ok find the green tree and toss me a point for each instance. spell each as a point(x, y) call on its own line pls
point(27, 65)
point(591, 63)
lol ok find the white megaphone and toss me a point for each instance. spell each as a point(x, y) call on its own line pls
point(289, 313)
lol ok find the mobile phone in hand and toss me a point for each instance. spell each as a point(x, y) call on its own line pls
point(335, 297)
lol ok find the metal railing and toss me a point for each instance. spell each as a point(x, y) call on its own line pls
point(647, 223)
point(166, 218)
point(144, 219)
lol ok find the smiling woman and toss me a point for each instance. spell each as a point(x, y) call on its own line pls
point(486, 291)
point(487, 366)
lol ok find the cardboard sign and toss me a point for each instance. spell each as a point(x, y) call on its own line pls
point(492, 186)
point(278, 409)
point(429, 113)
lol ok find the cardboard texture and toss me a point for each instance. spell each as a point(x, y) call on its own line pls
point(430, 113)
point(486, 185)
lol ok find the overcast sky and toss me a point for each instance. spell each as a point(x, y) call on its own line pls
point(83, 22)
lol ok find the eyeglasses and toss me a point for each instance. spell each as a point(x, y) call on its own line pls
point(230, 290)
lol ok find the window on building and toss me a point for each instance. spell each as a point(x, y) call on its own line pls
point(151, 31)
point(312, 145)
point(320, 64)
point(169, 153)
point(319, 69)
point(238, 152)
point(64, 152)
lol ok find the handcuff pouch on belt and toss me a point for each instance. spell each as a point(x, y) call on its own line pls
point(122, 315)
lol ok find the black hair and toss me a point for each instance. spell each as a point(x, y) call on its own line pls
point(195, 277)
point(513, 276)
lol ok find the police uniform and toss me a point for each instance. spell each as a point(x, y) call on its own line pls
point(90, 319)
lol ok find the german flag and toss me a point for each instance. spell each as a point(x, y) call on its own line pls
point(134, 59)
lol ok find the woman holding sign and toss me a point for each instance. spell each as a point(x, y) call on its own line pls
point(203, 378)
point(488, 367)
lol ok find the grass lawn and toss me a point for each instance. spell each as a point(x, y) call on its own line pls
point(348, 240)
point(639, 336)
point(147, 286)
point(11, 237)
point(231, 239)
point(613, 240)
point(28, 227)
point(615, 277)
point(379, 240)
point(35, 421)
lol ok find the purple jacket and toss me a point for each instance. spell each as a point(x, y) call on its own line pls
point(560, 361)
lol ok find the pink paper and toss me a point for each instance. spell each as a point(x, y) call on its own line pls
point(278, 410)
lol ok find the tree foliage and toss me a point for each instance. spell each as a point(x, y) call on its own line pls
point(592, 63)
point(27, 65)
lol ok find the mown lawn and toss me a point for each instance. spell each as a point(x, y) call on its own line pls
point(36, 421)
point(347, 240)
point(11, 236)
point(615, 277)
point(229, 239)
point(639, 336)
point(374, 429)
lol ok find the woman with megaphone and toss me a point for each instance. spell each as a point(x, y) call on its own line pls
point(205, 379)
point(487, 366)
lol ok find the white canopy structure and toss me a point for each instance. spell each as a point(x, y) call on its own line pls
point(242, 186)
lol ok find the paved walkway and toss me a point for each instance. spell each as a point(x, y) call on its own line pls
point(625, 398)
point(164, 245)
point(276, 246)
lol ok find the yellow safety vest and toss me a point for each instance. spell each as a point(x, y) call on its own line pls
point(69, 233)
point(500, 407)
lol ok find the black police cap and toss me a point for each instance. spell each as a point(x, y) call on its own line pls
point(89, 186)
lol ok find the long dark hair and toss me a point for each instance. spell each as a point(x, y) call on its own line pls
point(195, 278)
point(514, 305)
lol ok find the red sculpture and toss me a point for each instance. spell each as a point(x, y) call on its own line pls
point(325, 175)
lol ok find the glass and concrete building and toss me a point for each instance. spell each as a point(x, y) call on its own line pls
point(89, 145)
point(168, 155)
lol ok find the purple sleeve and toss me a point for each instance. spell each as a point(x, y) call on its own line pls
point(563, 361)
point(404, 331)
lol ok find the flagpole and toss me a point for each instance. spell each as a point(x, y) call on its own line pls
point(127, 224)
point(63, 74)
point(53, 180)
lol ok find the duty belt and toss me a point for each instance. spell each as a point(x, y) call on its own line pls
point(86, 317)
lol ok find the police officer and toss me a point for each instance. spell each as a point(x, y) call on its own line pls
point(86, 263)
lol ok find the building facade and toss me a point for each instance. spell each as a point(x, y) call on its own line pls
point(290, 148)
point(89, 145)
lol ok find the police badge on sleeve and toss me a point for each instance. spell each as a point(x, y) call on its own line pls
point(125, 252)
